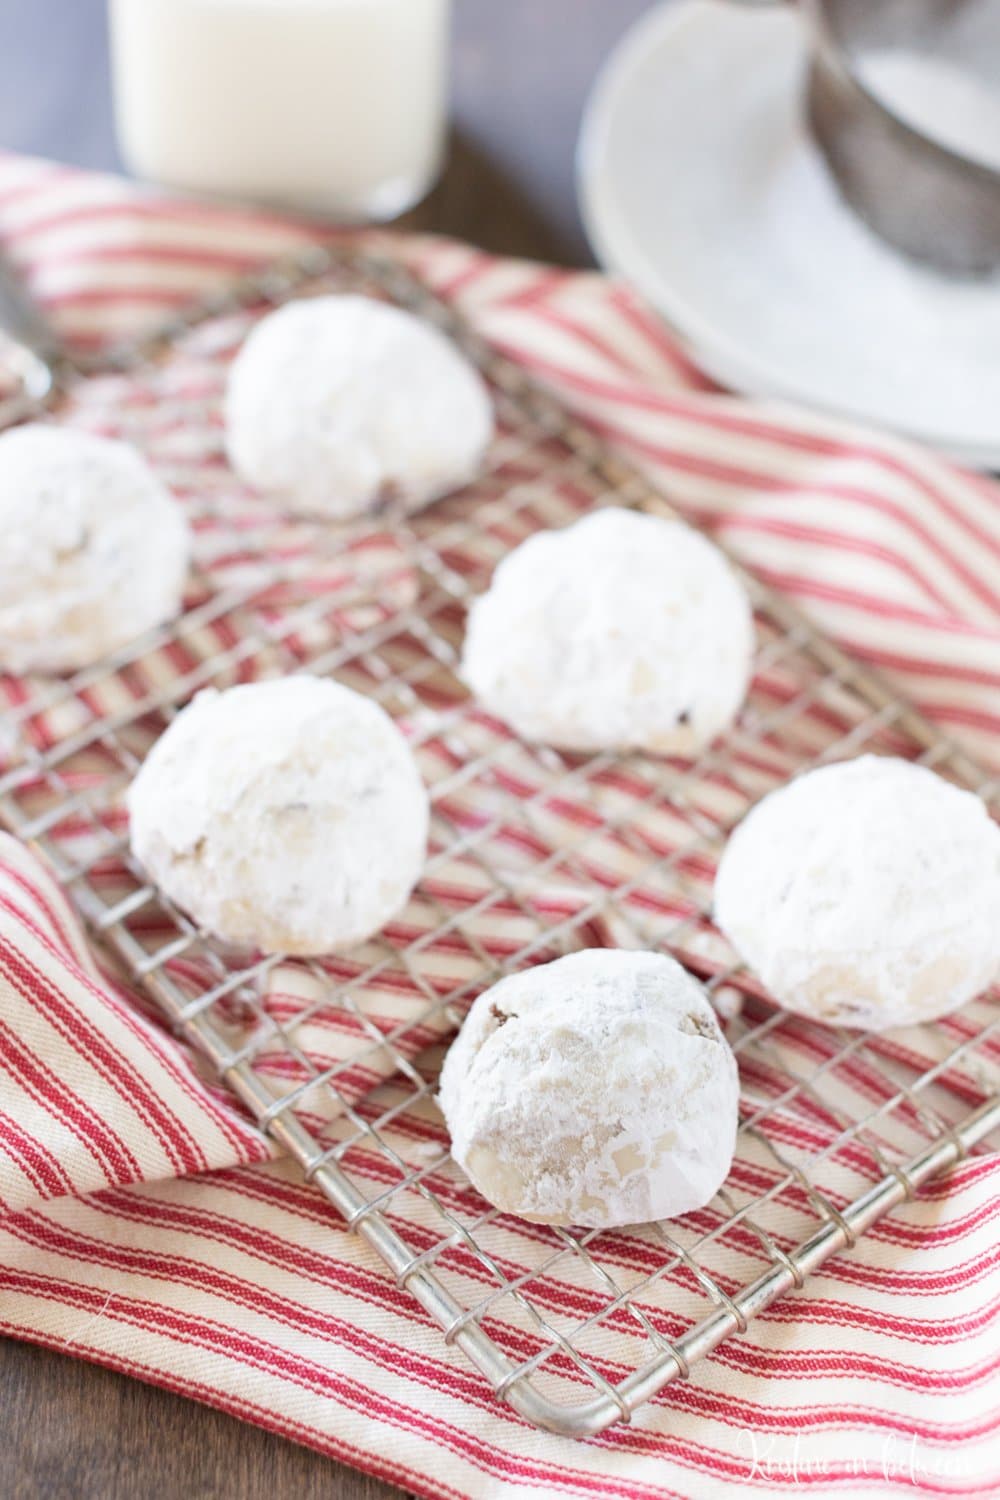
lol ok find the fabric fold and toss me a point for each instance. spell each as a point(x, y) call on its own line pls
point(92, 1093)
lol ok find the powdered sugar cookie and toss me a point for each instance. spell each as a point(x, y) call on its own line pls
point(288, 816)
point(94, 550)
point(866, 894)
point(595, 1090)
point(337, 405)
point(624, 631)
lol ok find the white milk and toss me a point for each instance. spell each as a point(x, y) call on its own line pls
point(333, 106)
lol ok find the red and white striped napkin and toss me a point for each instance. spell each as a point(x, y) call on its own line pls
point(144, 1223)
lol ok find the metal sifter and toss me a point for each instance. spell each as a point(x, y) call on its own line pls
point(931, 200)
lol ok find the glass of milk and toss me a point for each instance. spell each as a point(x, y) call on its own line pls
point(335, 107)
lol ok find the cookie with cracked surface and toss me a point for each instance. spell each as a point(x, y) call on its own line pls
point(286, 816)
point(596, 1090)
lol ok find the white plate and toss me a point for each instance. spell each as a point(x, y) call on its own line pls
point(698, 183)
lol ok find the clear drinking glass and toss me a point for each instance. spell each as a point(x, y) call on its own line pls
point(336, 107)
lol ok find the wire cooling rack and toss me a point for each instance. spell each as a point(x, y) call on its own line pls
point(532, 854)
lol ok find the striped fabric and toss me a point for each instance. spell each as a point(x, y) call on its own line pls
point(144, 1223)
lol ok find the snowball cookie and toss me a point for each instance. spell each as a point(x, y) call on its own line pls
point(337, 405)
point(289, 816)
point(595, 1090)
point(624, 631)
point(866, 894)
point(93, 549)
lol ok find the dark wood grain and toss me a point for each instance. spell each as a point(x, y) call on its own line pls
point(73, 1431)
point(70, 1431)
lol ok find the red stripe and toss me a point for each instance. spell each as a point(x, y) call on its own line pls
point(43, 896)
point(140, 298)
point(111, 1154)
point(727, 416)
point(255, 1240)
point(124, 1078)
point(243, 1137)
point(196, 215)
point(917, 666)
point(478, 265)
point(716, 1406)
point(762, 481)
point(201, 257)
point(556, 1298)
point(654, 330)
point(319, 1380)
point(35, 1160)
point(835, 541)
point(801, 586)
point(263, 1355)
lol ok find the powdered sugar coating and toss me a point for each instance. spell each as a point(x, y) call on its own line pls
point(288, 816)
point(339, 404)
point(94, 550)
point(622, 631)
point(866, 894)
point(595, 1090)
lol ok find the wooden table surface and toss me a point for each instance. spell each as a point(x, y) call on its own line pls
point(70, 1431)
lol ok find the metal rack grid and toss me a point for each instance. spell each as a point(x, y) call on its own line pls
point(532, 854)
